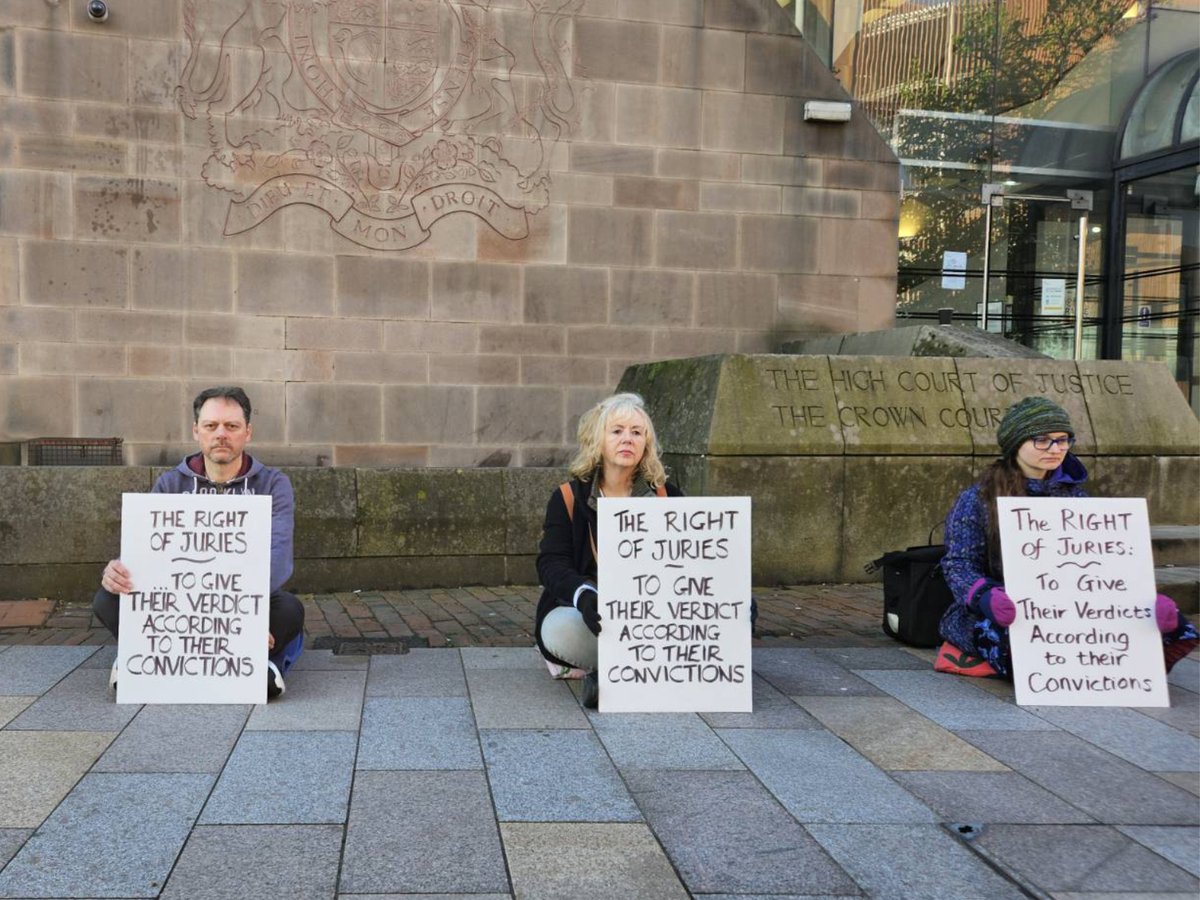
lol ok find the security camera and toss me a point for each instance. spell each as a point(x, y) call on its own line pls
point(97, 10)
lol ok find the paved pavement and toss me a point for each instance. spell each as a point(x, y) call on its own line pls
point(466, 771)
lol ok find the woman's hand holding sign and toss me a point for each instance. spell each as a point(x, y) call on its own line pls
point(116, 578)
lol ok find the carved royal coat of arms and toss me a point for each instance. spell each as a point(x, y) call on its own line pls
point(386, 114)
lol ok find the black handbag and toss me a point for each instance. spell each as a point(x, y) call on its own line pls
point(915, 593)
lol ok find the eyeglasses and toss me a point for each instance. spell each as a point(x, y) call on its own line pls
point(1045, 442)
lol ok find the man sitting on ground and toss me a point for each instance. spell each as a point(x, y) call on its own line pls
point(221, 426)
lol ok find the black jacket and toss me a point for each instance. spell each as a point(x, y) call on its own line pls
point(565, 558)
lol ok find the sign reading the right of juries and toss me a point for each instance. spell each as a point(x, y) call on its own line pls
point(1081, 574)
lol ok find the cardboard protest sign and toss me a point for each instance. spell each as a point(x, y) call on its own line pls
point(1081, 574)
point(674, 578)
point(194, 630)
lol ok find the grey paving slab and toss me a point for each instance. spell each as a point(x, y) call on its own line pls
point(422, 832)
point(418, 673)
point(1107, 788)
point(34, 670)
point(954, 702)
point(518, 698)
point(281, 777)
point(11, 840)
point(328, 661)
point(921, 862)
point(242, 861)
point(550, 861)
point(1186, 673)
point(1183, 713)
point(806, 672)
point(554, 776)
point(853, 658)
point(102, 659)
point(1189, 781)
point(71, 855)
point(662, 741)
point(39, 768)
point(79, 702)
point(988, 797)
point(502, 658)
point(1083, 858)
point(1128, 734)
point(345, 896)
point(894, 736)
point(418, 733)
point(725, 833)
point(771, 710)
point(176, 738)
point(315, 701)
point(820, 779)
point(1180, 845)
point(11, 707)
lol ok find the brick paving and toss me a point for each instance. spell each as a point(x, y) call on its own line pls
point(816, 615)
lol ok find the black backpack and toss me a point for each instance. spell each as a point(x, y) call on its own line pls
point(915, 593)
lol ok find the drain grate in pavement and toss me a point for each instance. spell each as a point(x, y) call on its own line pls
point(368, 646)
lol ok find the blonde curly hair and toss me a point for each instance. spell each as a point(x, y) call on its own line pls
point(592, 427)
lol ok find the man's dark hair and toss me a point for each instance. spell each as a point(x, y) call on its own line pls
point(225, 393)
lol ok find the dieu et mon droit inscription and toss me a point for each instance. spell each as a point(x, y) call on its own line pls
point(387, 115)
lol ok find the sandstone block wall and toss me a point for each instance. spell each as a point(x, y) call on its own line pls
point(419, 234)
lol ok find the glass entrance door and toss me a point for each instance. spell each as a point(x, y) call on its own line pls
point(1034, 268)
point(1161, 280)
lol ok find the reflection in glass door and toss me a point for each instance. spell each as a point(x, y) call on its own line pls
point(1161, 282)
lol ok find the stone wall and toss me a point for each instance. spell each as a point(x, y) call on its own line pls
point(367, 529)
point(427, 240)
point(847, 457)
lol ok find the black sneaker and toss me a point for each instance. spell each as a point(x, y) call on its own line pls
point(589, 693)
point(275, 685)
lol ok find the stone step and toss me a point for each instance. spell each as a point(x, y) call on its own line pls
point(1176, 545)
point(1181, 584)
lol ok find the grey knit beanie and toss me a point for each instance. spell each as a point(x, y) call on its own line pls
point(1029, 417)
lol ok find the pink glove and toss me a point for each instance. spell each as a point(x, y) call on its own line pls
point(1166, 614)
point(998, 607)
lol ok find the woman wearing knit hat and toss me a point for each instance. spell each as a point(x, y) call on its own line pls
point(1035, 437)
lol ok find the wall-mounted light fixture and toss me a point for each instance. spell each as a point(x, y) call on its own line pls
point(826, 111)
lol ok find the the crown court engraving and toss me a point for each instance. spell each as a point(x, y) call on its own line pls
point(386, 114)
